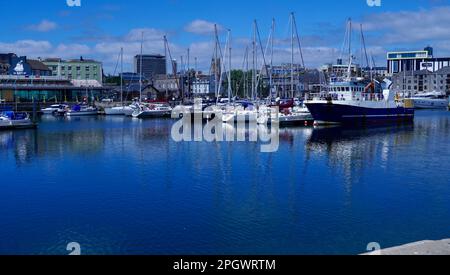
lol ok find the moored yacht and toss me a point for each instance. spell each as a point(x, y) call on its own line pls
point(432, 100)
point(82, 110)
point(54, 109)
point(15, 120)
point(152, 111)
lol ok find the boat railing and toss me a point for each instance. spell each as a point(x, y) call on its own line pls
point(346, 96)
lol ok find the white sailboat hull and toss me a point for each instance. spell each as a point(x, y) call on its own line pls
point(115, 111)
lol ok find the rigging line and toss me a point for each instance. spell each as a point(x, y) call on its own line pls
point(262, 52)
point(117, 64)
point(364, 46)
point(298, 40)
point(345, 42)
point(223, 68)
point(244, 62)
point(166, 44)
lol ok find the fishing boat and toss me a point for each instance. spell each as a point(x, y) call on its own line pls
point(432, 100)
point(82, 110)
point(54, 109)
point(349, 102)
point(358, 101)
point(152, 111)
point(15, 120)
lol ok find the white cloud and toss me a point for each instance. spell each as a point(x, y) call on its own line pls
point(43, 26)
point(410, 26)
point(202, 27)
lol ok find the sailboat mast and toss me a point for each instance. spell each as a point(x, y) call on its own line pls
point(229, 66)
point(292, 54)
point(189, 70)
point(271, 57)
point(350, 59)
point(216, 66)
point(140, 75)
point(253, 61)
point(121, 76)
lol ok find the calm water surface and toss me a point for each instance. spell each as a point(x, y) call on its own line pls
point(122, 186)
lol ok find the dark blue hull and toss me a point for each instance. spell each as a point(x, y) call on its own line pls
point(354, 115)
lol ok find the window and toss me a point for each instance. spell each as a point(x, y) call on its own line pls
point(69, 68)
point(88, 76)
point(78, 68)
point(87, 68)
point(63, 68)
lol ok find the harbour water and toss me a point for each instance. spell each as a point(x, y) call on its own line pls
point(122, 186)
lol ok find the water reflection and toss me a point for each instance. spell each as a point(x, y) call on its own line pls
point(128, 178)
point(351, 151)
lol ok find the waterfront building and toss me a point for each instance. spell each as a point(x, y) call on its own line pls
point(423, 81)
point(23, 88)
point(202, 85)
point(152, 65)
point(282, 84)
point(376, 72)
point(398, 62)
point(11, 64)
point(168, 85)
point(76, 69)
point(340, 69)
point(130, 77)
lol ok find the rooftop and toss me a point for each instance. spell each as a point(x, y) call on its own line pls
point(37, 65)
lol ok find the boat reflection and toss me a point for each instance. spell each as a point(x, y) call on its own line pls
point(350, 151)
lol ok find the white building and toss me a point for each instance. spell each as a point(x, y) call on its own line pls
point(424, 81)
point(201, 87)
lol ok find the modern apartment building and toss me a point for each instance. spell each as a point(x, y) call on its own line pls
point(152, 65)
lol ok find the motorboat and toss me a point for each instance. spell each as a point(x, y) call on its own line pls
point(432, 100)
point(15, 120)
point(82, 110)
point(54, 109)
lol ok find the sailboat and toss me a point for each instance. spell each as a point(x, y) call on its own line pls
point(290, 114)
point(121, 110)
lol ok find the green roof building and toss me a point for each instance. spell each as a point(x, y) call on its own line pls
point(77, 69)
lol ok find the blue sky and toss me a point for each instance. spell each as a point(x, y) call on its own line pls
point(97, 29)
